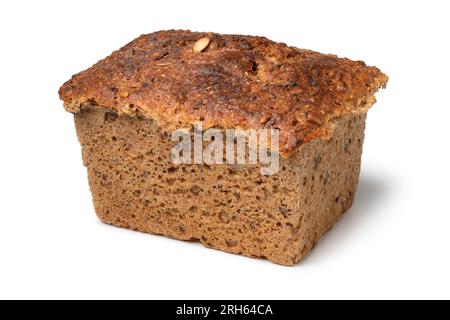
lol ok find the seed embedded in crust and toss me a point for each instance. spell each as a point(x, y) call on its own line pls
point(128, 109)
point(124, 94)
point(201, 44)
point(265, 119)
point(314, 119)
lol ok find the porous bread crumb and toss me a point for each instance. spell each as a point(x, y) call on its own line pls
point(232, 208)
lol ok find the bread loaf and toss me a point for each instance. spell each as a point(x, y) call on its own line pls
point(127, 107)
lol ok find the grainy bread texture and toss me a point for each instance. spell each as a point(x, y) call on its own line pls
point(232, 208)
point(127, 105)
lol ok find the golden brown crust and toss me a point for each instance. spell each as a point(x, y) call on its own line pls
point(232, 81)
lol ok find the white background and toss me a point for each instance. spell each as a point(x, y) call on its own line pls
point(394, 242)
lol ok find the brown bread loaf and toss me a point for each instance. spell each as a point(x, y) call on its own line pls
point(127, 106)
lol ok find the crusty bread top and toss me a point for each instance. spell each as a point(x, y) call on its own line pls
point(229, 81)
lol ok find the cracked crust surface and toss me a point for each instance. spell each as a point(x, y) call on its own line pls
point(228, 81)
